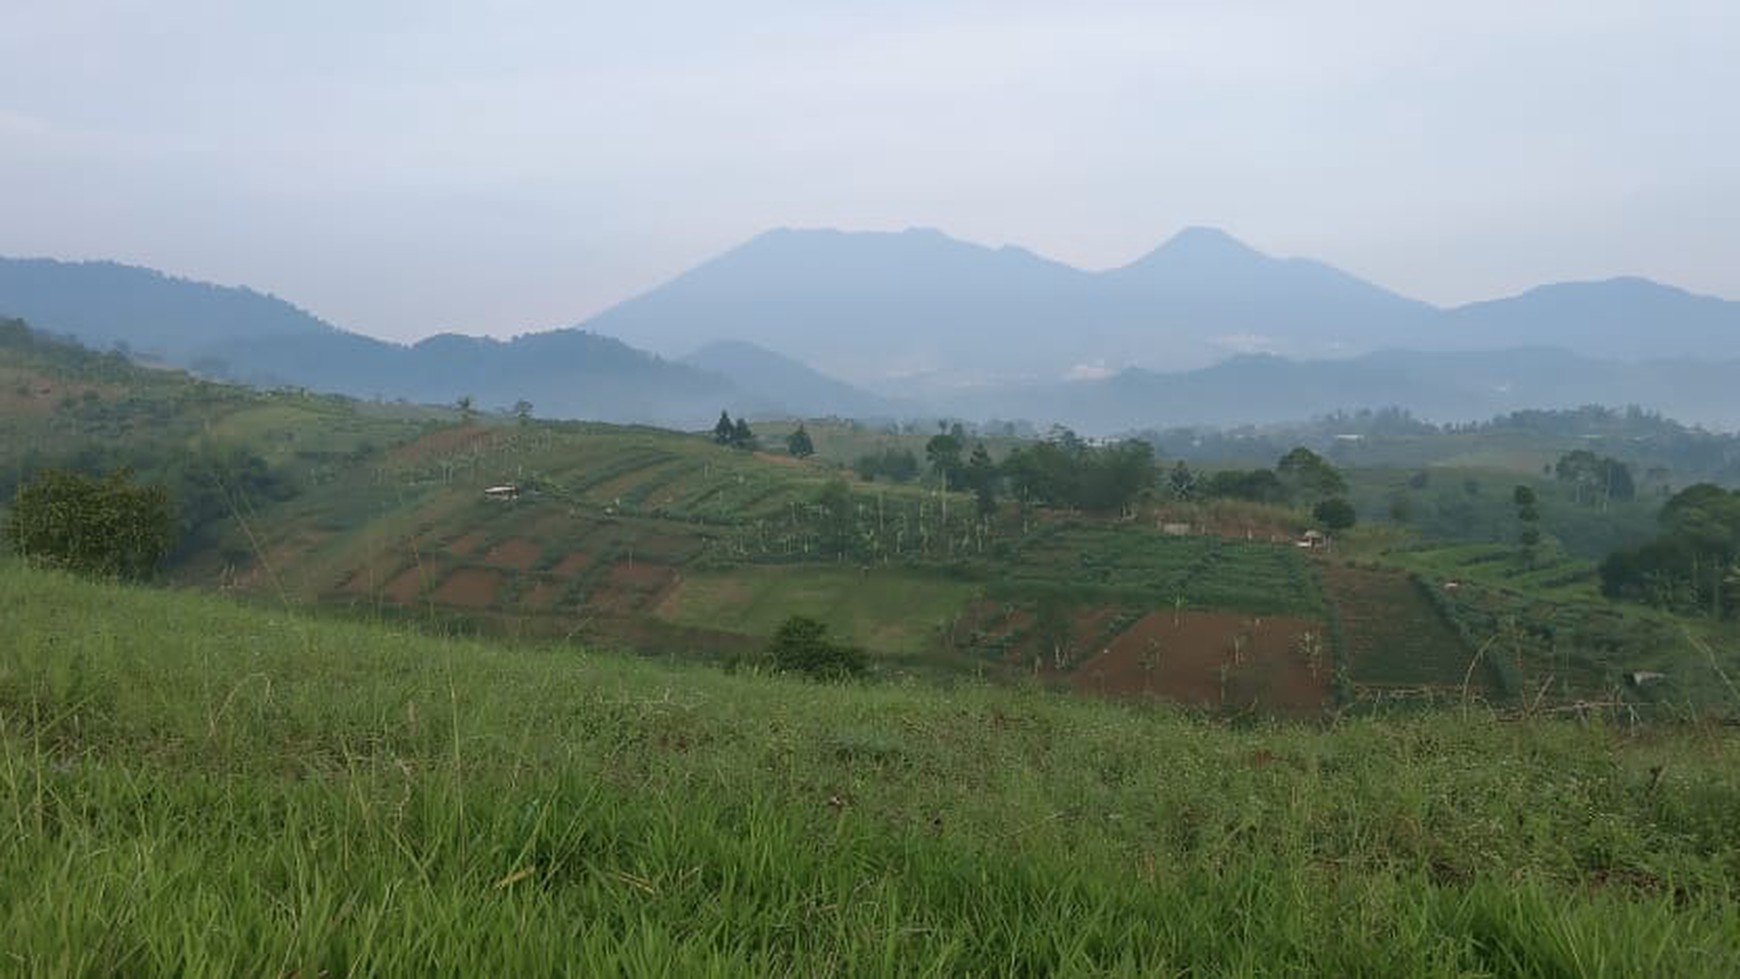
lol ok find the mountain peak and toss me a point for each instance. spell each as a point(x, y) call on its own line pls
point(1204, 236)
point(1199, 245)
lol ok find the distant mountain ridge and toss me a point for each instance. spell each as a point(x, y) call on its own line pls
point(925, 323)
point(885, 308)
point(1434, 386)
point(106, 303)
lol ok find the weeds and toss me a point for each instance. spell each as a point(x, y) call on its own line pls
point(190, 787)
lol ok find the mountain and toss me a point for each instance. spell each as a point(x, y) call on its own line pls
point(1434, 386)
point(864, 305)
point(790, 387)
point(883, 308)
point(243, 335)
point(569, 374)
point(1207, 285)
point(1624, 318)
point(917, 323)
point(104, 304)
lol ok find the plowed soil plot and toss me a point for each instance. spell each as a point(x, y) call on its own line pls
point(515, 552)
point(408, 584)
point(544, 595)
point(633, 587)
point(466, 544)
point(1215, 659)
point(572, 565)
point(469, 588)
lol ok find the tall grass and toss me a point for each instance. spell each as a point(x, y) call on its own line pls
point(189, 787)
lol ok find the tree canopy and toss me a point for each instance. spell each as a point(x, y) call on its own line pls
point(1066, 471)
point(1694, 565)
point(106, 526)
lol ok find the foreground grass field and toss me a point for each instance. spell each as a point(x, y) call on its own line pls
point(189, 787)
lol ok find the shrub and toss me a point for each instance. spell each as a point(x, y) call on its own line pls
point(108, 526)
point(802, 646)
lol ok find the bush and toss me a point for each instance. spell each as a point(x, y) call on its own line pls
point(108, 526)
point(802, 646)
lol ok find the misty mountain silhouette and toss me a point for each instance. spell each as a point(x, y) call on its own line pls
point(934, 323)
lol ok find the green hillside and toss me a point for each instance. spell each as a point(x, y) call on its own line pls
point(666, 543)
point(194, 787)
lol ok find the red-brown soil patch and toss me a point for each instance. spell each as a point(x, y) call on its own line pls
point(641, 575)
point(515, 552)
point(471, 541)
point(573, 564)
point(543, 595)
point(781, 459)
point(1215, 659)
point(991, 627)
point(633, 587)
point(375, 573)
point(469, 588)
point(666, 549)
point(407, 586)
point(1089, 628)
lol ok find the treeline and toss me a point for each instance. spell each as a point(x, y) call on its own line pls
point(1694, 565)
point(1067, 471)
point(205, 484)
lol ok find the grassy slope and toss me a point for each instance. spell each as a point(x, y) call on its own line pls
point(190, 787)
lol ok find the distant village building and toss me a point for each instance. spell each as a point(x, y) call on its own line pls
point(506, 491)
point(1313, 540)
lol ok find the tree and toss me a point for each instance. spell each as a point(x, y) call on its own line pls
point(108, 526)
point(1181, 482)
point(943, 451)
point(1529, 516)
point(1334, 513)
point(741, 436)
point(798, 443)
point(1309, 477)
point(802, 645)
point(1594, 478)
point(523, 411)
point(1255, 485)
point(981, 477)
point(723, 431)
point(1691, 566)
point(467, 408)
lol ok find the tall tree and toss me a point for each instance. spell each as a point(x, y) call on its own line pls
point(1528, 514)
point(981, 478)
point(798, 443)
point(944, 454)
point(1308, 476)
point(741, 436)
point(723, 430)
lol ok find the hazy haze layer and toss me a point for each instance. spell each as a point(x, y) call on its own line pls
point(404, 168)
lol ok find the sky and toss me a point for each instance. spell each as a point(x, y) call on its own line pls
point(405, 167)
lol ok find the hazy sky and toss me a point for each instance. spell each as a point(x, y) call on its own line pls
point(404, 167)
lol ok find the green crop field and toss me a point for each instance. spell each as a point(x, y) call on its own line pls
point(854, 603)
point(189, 787)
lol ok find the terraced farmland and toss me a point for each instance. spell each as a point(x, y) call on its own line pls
point(1394, 639)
